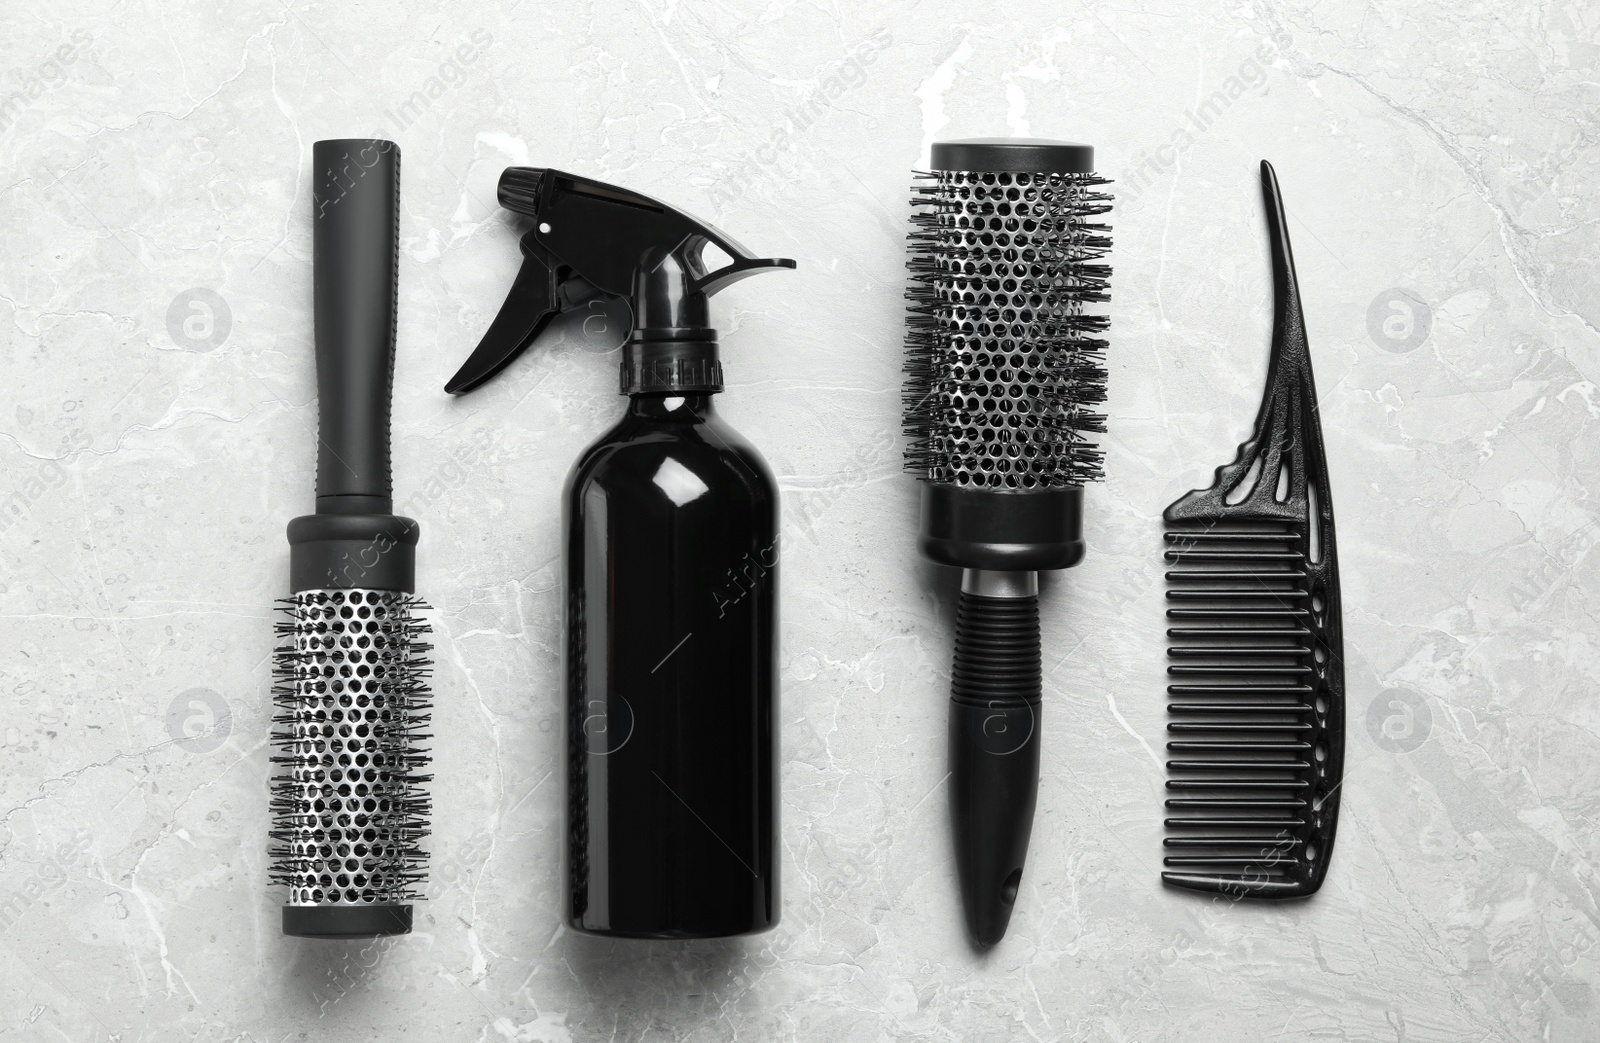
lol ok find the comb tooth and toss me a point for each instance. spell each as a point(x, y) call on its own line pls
point(1196, 726)
point(1232, 841)
point(1235, 784)
point(1281, 666)
point(1220, 651)
point(1250, 632)
point(1280, 651)
point(1261, 708)
point(1261, 585)
point(1236, 613)
point(1228, 884)
point(1254, 884)
point(1210, 574)
point(1232, 803)
point(1176, 556)
point(1234, 823)
point(1196, 861)
point(1233, 594)
point(1220, 534)
point(1191, 671)
point(1281, 551)
point(1240, 695)
point(1235, 746)
point(1256, 835)
point(1236, 689)
point(1237, 765)
point(1223, 533)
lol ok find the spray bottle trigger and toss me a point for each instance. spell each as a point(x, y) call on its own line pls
point(592, 238)
point(528, 309)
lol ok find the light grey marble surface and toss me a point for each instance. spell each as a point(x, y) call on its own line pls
point(157, 406)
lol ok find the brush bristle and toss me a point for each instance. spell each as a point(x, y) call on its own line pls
point(1003, 364)
point(349, 800)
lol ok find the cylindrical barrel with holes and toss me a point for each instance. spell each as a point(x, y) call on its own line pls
point(349, 801)
point(1005, 375)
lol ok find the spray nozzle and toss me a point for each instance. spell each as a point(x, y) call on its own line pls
point(591, 237)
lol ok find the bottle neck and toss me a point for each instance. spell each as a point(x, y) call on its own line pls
point(692, 408)
point(667, 362)
point(673, 348)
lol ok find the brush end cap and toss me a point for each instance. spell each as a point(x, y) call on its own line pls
point(1002, 530)
point(1014, 155)
point(346, 921)
point(353, 551)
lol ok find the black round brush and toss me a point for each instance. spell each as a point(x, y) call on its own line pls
point(349, 808)
point(1005, 371)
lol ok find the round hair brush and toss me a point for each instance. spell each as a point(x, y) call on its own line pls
point(1005, 371)
point(349, 808)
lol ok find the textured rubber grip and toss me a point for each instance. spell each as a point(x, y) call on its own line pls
point(355, 242)
point(994, 753)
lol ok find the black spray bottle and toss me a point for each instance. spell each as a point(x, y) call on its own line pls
point(671, 579)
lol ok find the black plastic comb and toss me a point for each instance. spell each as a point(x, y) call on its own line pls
point(1255, 642)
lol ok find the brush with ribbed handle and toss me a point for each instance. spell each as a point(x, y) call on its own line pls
point(1005, 375)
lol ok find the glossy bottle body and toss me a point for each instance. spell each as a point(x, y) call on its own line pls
point(671, 587)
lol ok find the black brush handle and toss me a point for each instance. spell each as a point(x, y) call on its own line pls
point(994, 753)
point(355, 243)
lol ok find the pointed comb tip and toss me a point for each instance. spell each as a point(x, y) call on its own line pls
point(1269, 188)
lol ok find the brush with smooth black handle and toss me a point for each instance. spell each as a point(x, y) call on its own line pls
point(349, 803)
point(1005, 374)
point(1256, 642)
